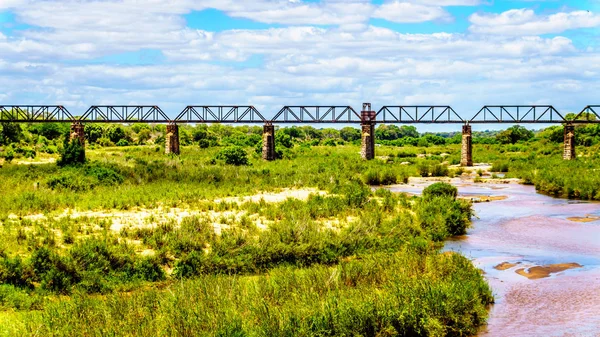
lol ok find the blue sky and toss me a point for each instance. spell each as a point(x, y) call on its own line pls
point(270, 53)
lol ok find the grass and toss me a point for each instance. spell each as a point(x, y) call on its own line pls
point(406, 294)
point(352, 261)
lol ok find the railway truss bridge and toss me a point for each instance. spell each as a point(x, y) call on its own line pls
point(367, 118)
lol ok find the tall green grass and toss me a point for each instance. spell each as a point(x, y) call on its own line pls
point(402, 294)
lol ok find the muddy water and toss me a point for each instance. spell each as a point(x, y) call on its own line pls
point(528, 230)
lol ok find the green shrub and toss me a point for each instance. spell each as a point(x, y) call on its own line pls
point(123, 142)
point(329, 142)
point(388, 177)
point(190, 265)
point(499, 167)
point(233, 155)
point(73, 153)
point(371, 177)
point(439, 170)
point(440, 189)
point(104, 175)
point(105, 142)
point(9, 154)
point(149, 269)
point(424, 169)
point(204, 143)
point(15, 272)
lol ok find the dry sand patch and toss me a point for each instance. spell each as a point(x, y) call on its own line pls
point(587, 218)
point(538, 272)
point(506, 265)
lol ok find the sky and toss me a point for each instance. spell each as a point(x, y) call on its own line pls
point(271, 53)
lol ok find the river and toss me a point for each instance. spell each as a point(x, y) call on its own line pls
point(528, 230)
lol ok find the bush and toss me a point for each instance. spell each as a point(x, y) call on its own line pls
point(26, 152)
point(190, 265)
point(73, 153)
point(115, 133)
point(13, 271)
point(105, 142)
point(329, 142)
point(379, 177)
point(499, 167)
point(204, 143)
point(233, 155)
point(123, 142)
point(440, 189)
point(439, 170)
point(423, 169)
point(9, 154)
point(149, 269)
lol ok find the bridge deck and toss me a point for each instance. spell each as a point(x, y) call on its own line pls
point(247, 114)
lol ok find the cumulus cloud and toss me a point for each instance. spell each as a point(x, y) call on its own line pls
point(407, 12)
point(526, 22)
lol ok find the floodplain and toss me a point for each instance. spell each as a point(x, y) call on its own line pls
point(217, 241)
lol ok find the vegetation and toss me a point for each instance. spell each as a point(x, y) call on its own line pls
point(73, 153)
point(348, 261)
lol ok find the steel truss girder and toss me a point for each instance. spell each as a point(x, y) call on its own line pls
point(35, 113)
point(316, 114)
point(124, 114)
point(517, 114)
point(219, 114)
point(418, 114)
point(590, 111)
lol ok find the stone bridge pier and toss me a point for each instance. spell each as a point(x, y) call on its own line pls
point(367, 150)
point(172, 139)
point(268, 150)
point(569, 144)
point(466, 152)
point(77, 132)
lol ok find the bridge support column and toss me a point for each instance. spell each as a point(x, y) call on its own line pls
point(268, 150)
point(569, 145)
point(367, 150)
point(466, 153)
point(172, 139)
point(77, 132)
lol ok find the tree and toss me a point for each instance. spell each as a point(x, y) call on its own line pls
point(387, 132)
point(73, 153)
point(350, 134)
point(293, 132)
point(144, 136)
point(11, 133)
point(200, 132)
point(283, 139)
point(233, 155)
point(311, 133)
point(408, 131)
point(514, 134)
point(93, 132)
point(115, 133)
point(49, 130)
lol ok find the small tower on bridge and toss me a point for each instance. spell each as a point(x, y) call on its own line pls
point(367, 116)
